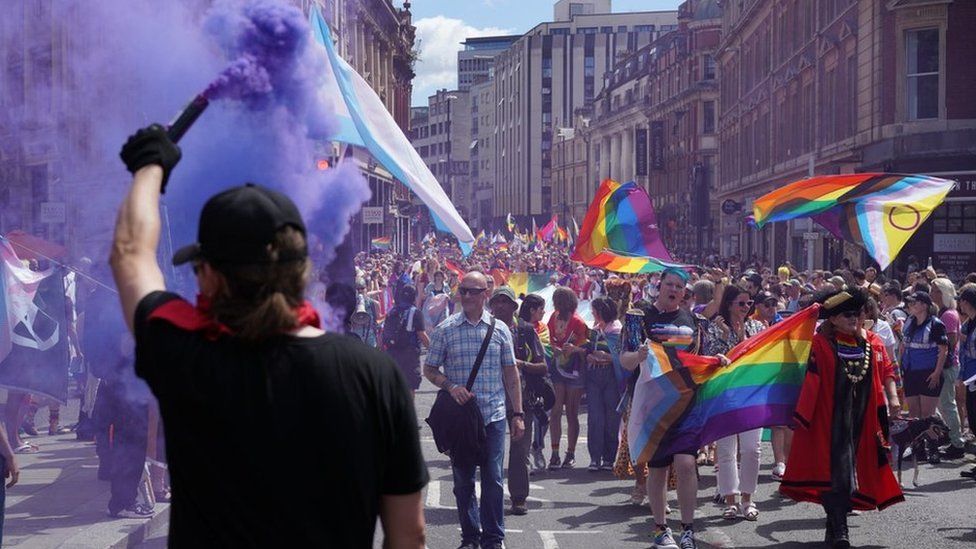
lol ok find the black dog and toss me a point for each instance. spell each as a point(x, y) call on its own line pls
point(912, 434)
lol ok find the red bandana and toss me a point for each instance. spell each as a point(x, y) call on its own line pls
point(181, 314)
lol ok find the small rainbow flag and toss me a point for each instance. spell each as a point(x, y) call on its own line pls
point(453, 267)
point(381, 243)
point(877, 211)
point(684, 401)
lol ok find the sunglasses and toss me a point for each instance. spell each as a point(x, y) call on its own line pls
point(851, 314)
point(471, 291)
point(745, 303)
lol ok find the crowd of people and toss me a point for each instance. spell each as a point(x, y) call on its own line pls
point(918, 329)
point(892, 355)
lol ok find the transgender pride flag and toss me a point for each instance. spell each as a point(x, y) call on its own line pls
point(364, 121)
point(18, 285)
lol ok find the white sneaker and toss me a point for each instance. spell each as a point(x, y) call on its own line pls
point(778, 471)
point(664, 539)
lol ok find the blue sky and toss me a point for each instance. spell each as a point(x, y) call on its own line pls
point(442, 24)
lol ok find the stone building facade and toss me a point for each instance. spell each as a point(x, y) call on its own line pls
point(541, 81)
point(36, 86)
point(842, 86)
point(654, 122)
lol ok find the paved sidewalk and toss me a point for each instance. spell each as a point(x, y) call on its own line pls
point(59, 502)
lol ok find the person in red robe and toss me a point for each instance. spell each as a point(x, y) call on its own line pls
point(839, 457)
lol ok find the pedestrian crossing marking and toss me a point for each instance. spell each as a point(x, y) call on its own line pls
point(549, 536)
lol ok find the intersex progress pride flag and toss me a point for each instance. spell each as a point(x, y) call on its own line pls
point(877, 211)
point(683, 401)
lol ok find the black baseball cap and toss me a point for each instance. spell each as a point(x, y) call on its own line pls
point(924, 297)
point(237, 225)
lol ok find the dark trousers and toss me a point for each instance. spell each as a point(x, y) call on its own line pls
point(121, 436)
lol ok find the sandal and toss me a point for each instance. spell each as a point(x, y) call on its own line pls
point(749, 512)
point(731, 512)
point(638, 496)
point(27, 448)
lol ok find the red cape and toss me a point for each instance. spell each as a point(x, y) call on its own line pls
point(807, 475)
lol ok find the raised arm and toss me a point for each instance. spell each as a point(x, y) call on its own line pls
point(149, 155)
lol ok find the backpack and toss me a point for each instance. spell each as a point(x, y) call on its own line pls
point(397, 331)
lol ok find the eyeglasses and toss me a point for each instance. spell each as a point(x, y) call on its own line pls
point(471, 291)
point(745, 303)
point(851, 314)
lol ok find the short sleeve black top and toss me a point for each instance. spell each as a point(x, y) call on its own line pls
point(287, 443)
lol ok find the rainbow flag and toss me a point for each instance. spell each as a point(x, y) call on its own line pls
point(620, 262)
point(546, 233)
point(453, 267)
point(527, 283)
point(877, 211)
point(381, 243)
point(620, 231)
point(684, 401)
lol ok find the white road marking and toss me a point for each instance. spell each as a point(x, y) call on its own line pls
point(549, 536)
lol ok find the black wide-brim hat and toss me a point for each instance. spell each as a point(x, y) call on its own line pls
point(238, 226)
point(836, 302)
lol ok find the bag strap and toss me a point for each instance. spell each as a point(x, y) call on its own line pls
point(481, 355)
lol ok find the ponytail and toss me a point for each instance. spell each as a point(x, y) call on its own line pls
point(258, 301)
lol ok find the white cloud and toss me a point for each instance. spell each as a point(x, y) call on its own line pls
point(440, 40)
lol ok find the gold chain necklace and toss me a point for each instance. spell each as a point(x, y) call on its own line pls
point(856, 369)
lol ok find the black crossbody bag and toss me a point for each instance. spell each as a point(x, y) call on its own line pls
point(459, 430)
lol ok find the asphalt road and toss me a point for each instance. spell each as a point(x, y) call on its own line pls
point(579, 509)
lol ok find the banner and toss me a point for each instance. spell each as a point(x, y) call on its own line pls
point(33, 329)
point(640, 152)
point(657, 145)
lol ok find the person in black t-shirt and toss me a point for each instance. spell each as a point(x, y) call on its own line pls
point(277, 434)
point(674, 327)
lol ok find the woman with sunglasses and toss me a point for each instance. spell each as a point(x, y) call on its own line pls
point(839, 457)
point(727, 329)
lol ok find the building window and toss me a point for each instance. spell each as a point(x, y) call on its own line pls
point(708, 67)
point(559, 31)
point(643, 28)
point(606, 30)
point(622, 28)
point(579, 8)
point(922, 86)
point(708, 117)
point(586, 30)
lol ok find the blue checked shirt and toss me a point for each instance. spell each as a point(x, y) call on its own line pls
point(454, 347)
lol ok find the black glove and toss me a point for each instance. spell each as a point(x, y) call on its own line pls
point(151, 145)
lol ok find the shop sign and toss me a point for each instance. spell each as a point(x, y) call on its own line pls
point(53, 212)
point(959, 243)
point(373, 215)
point(955, 265)
point(965, 186)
